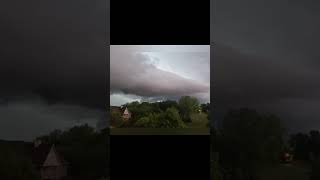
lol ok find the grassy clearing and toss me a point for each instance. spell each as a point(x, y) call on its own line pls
point(160, 131)
point(286, 172)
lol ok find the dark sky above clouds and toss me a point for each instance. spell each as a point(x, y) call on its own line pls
point(266, 56)
point(53, 61)
point(145, 73)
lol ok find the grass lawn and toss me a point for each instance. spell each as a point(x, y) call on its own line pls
point(286, 172)
point(159, 131)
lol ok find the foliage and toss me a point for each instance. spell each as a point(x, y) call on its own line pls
point(249, 141)
point(205, 107)
point(300, 144)
point(85, 149)
point(150, 121)
point(164, 105)
point(306, 147)
point(172, 119)
point(168, 114)
point(116, 119)
point(199, 120)
point(187, 106)
point(15, 165)
point(315, 173)
point(168, 119)
point(314, 143)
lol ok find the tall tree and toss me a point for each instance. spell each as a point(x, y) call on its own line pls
point(315, 143)
point(168, 119)
point(164, 105)
point(300, 144)
point(172, 119)
point(250, 141)
point(187, 106)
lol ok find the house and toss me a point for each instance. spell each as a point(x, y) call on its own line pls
point(48, 161)
point(125, 113)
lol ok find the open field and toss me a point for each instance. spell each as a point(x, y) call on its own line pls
point(286, 172)
point(160, 131)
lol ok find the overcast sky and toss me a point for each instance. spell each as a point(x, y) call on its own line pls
point(266, 56)
point(149, 73)
point(53, 61)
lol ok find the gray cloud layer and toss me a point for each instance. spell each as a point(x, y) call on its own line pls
point(26, 118)
point(134, 73)
point(57, 50)
point(266, 57)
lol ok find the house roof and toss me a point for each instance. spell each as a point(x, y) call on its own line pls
point(118, 109)
point(37, 154)
point(40, 154)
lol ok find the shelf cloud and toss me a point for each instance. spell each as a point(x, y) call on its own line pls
point(137, 71)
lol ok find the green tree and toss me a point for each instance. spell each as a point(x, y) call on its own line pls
point(314, 143)
point(150, 121)
point(116, 119)
point(187, 106)
point(140, 110)
point(167, 104)
point(86, 150)
point(172, 119)
point(300, 144)
point(168, 119)
point(249, 141)
point(199, 120)
point(315, 171)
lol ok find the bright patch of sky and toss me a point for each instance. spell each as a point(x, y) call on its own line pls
point(120, 99)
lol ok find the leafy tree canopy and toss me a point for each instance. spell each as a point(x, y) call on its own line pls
point(187, 106)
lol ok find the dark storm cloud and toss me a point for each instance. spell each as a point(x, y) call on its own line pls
point(26, 118)
point(133, 73)
point(261, 79)
point(266, 57)
point(57, 49)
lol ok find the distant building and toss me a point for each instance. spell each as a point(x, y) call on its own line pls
point(125, 113)
point(48, 161)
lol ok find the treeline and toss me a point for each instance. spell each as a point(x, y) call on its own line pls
point(85, 149)
point(246, 143)
point(306, 148)
point(249, 142)
point(187, 112)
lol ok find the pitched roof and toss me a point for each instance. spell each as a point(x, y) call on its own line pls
point(117, 109)
point(40, 154)
point(54, 158)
